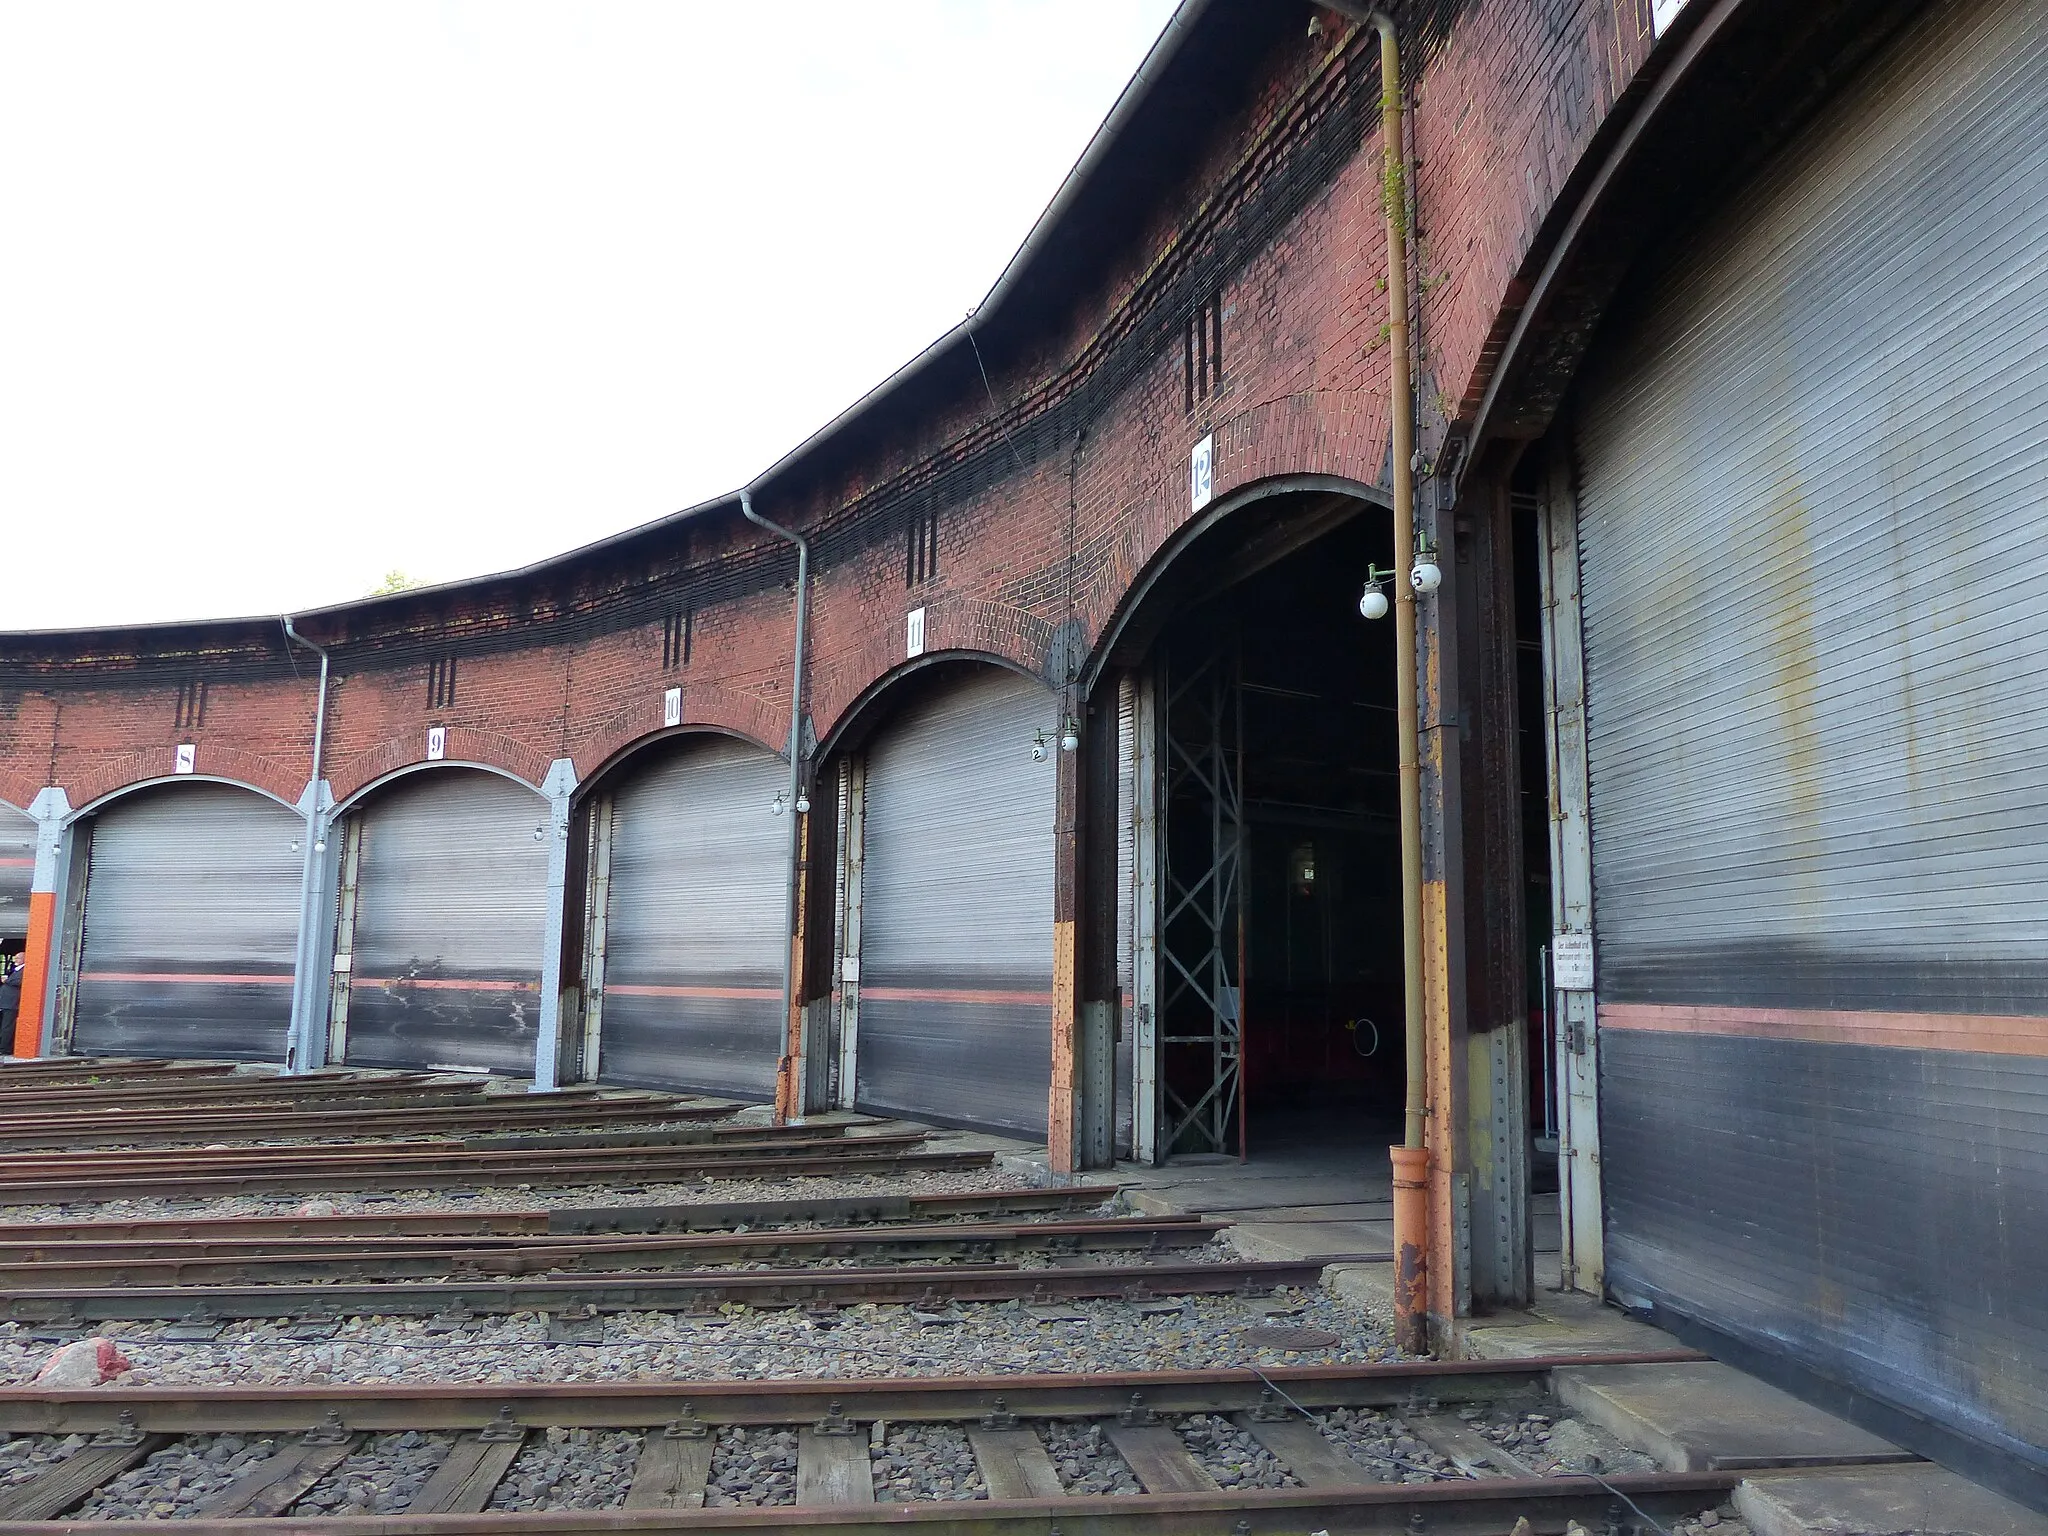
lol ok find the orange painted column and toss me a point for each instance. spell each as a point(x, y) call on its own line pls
point(49, 809)
point(793, 1068)
point(35, 976)
point(1062, 1117)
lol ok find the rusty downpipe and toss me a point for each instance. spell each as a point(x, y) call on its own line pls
point(789, 1085)
point(1411, 1158)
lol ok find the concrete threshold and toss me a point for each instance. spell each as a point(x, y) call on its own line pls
point(1809, 1473)
point(1911, 1497)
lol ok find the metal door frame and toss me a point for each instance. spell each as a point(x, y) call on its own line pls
point(853, 792)
point(76, 879)
point(597, 915)
point(343, 964)
point(1577, 1045)
point(1149, 827)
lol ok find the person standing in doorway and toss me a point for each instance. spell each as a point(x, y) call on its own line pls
point(10, 1000)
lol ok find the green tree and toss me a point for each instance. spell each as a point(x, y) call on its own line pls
point(395, 580)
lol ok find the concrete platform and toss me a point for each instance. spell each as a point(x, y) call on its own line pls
point(1703, 1416)
point(1328, 1201)
point(1915, 1497)
point(1559, 1323)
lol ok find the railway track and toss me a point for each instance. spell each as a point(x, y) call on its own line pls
point(932, 1286)
point(106, 1128)
point(1334, 1443)
point(290, 1260)
point(57, 1237)
point(225, 1088)
point(68, 1178)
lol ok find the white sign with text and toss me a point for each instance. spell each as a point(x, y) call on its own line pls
point(1571, 962)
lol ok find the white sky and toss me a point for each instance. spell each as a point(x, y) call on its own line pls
point(293, 294)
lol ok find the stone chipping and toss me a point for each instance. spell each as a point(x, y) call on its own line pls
point(571, 1469)
point(1085, 1460)
point(172, 1483)
point(380, 1477)
point(1230, 1455)
point(923, 1462)
point(752, 1467)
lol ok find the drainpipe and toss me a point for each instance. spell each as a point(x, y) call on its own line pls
point(1411, 1158)
point(790, 1076)
point(299, 1041)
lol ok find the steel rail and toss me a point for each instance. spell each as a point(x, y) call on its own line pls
point(643, 1165)
point(61, 1115)
point(1340, 1496)
point(673, 1291)
point(342, 1125)
point(418, 1152)
point(293, 1260)
point(199, 1073)
point(49, 1069)
point(385, 1406)
point(1463, 1508)
point(255, 1092)
point(59, 1236)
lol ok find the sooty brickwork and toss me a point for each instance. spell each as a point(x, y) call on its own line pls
point(1246, 189)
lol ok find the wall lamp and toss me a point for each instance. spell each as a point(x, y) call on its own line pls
point(1424, 577)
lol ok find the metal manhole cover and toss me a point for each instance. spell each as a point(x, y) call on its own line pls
point(1270, 1336)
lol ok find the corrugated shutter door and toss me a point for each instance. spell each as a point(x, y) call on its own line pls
point(694, 933)
point(956, 938)
point(451, 895)
point(1814, 472)
point(191, 925)
point(17, 873)
point(1126, 908)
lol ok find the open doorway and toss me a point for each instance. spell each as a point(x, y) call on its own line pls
point(1273, 754)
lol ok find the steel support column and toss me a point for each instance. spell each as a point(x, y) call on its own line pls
point(1494, 1154)
point(1201, 923)
point(1571, 891)
point(51, 810)
point(559, 786)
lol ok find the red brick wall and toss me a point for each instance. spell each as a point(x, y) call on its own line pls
point(1504, 108)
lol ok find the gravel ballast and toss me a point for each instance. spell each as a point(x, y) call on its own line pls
point(571, 1469)
point(860, 1341)
point(1085, 1460)
point(754, 1467)
point(170, 1484)
point(925, 1461)
point(380, 1477)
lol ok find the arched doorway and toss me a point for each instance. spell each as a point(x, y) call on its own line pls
point(1263, 966)
point(685, 915)
point(17, 874)
point(189, 926)
point(440, 928)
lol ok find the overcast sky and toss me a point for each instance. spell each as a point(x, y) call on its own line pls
point(294, 294)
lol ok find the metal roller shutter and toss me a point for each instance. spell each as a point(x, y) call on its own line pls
point(956, 938)
point(1126, 908)
point(17, 873)
point(696, 916)
point(191, 926)
point(451, 895)
point(1813, 478)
